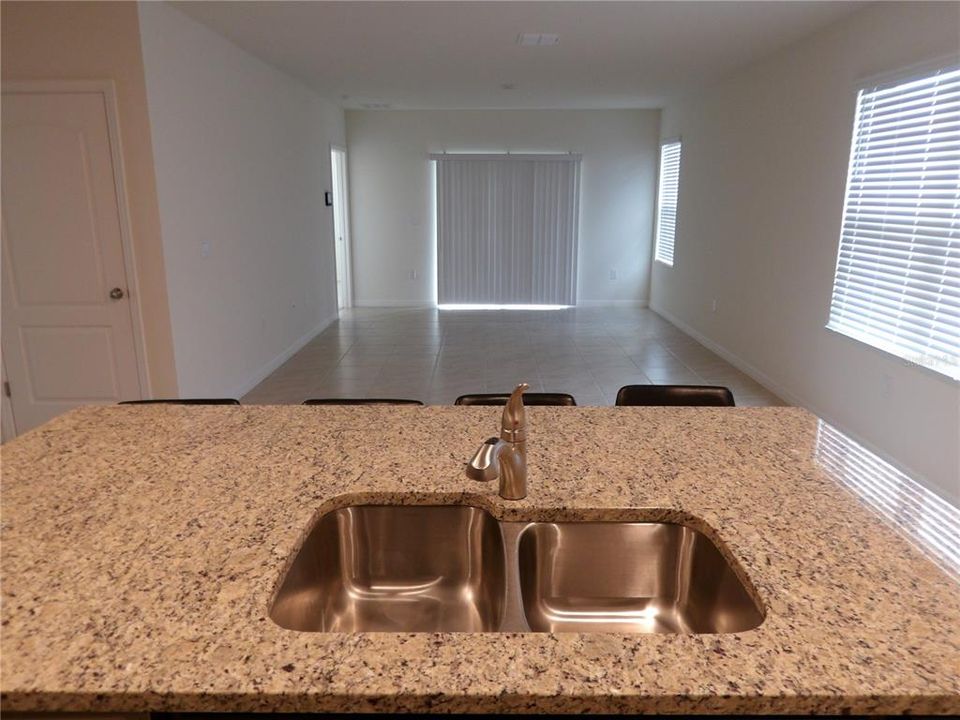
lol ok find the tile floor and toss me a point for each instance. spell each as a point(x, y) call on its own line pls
point(435, 355)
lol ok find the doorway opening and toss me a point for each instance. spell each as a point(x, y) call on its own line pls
point(341, 226)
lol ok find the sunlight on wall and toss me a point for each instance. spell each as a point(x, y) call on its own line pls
point(929, 521)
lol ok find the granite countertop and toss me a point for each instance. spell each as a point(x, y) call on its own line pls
point(141, 546)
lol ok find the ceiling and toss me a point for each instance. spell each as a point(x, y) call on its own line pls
point(461, 54)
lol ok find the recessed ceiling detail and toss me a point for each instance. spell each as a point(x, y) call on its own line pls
point(535, 39)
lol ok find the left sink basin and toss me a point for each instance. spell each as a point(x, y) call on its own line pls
point(394, 568)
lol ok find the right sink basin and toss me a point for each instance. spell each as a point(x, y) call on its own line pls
point(629, 577)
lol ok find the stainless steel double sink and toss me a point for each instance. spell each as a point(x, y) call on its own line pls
point(454, 568)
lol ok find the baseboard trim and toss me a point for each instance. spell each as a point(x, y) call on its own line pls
point(612, 303)
point(261, 374)
point(394, 304)
point(580, 303)
point(778, 389)
point(732, 358)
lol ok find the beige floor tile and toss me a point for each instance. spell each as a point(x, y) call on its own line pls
point(435, 356)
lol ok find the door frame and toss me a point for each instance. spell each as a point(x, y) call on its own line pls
point(107, 89)
point(348, 242)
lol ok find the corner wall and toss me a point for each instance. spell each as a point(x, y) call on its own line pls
point(97, 41)
point(763, 175)
point(242, 159)
point(392, 203)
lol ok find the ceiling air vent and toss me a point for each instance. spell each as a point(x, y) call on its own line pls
point(537, 39)
point(375, 106)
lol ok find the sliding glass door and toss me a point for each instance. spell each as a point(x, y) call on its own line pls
point(507, 229)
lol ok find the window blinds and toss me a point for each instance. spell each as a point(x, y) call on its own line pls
point(669, 188)
point(507, 229)
point(897, 283)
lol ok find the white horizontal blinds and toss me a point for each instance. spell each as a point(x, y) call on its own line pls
point(507, 229)
point(897, 284)
point(669, 189)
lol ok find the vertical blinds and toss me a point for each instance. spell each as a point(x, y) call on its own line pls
point(507, 229)
point(897, 283)
point(669, 188)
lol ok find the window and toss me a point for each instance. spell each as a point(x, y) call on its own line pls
point(897, 284)
point(669, 187)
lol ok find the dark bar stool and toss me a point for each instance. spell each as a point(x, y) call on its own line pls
point(361, 401)
point(183, 401)
point(529, 399)
point(675, 395)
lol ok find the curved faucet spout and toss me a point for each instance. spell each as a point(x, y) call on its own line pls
point(513, 422)
point(505, 457)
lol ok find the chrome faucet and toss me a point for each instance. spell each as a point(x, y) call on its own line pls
point(505, 457)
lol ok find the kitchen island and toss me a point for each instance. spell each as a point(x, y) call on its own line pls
point(142, 546)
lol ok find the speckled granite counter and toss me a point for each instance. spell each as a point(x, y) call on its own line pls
point(141, 545)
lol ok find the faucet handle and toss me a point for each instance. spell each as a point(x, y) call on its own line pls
point(513, 424)
point(484, 464)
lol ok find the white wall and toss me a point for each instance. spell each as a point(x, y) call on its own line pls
point(242, 160)
point(761, 195)
point(392, 203)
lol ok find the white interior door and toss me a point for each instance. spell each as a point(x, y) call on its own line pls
point(341, 226)
point(67, 332)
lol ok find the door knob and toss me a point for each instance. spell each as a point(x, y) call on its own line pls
point(116, 293)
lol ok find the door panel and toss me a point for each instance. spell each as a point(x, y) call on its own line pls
point(52, 169)
point(66, 341)
point(94, 381)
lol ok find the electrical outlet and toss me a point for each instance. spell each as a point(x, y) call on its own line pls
point(613, 274)
point(413, 274)
point(713, 305)
point(205, 249)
